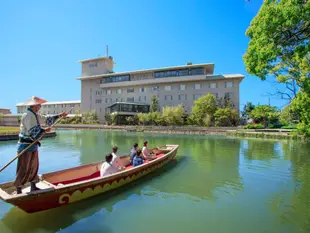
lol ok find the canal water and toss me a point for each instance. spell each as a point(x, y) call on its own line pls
point(216, 184)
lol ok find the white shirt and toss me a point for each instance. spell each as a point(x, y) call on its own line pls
point(147, 153)
point(107, 169)
point(115, 160)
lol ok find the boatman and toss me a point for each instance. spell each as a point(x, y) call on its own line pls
point(31, 129)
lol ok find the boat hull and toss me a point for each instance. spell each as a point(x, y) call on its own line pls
point(63, 195)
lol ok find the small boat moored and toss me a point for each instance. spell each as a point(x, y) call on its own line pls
point(63, 187)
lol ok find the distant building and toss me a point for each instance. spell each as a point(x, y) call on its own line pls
point(101, 87)
point(5, 111)
point(51, 108)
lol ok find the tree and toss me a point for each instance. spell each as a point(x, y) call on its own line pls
point(154, 104)
point(247, 109)
point(288, 116)
point(205, 105)
point(301, 104)
point(173, 115)
point(279, 44)
point(265, 114)
point(226, 117)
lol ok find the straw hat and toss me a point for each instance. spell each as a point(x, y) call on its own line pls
point(34, 101)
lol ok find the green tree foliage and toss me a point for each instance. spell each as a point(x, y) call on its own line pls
point(247, 109)
point(173, 115)
point(288, 116)
point(265, 114)
point(205, 105)
point(154, 104)
point(90, 117)
point(144, 118)
point(108, 118)
point(301, 104)
point(279, 43)
point(226, 117)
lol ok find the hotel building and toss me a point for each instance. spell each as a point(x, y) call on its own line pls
point(101, 87)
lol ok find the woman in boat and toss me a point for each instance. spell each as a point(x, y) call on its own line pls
point(133, 152)
point(31, 130)
point(138, 160)
point(147, 153)
point(107, 168)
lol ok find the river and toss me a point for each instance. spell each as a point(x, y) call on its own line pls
point(216, 184)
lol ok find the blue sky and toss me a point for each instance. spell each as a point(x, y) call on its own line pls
point(41, 42)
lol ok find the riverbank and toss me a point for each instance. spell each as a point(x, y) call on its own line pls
point(11, 133)
point(229, 131)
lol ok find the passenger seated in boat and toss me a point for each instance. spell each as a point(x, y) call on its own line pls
point(116, 159)
point(107, 168)
point(133, 152)
point(138, 160)
point(147, 153)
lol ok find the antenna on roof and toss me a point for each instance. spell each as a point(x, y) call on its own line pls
point(107, 51)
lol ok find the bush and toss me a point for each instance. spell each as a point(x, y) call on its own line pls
point(173, 115)
point(254, 126)
point(289, 126)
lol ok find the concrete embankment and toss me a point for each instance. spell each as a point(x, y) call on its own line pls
point(229, 131)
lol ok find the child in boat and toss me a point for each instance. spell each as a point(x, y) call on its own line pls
point(147, 153)
point(107, 167)
point(137, 160)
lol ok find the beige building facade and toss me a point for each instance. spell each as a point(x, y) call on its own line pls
point(101, 87)
point(51, 108)
point(5, 111)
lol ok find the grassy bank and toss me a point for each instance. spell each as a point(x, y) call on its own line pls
point(229, 131)
point(8, 130)
point(245, 133)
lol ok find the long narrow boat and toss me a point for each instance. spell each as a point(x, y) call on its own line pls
point(63, 187)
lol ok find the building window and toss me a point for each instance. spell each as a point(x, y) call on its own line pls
point(119, 91)
point(182, 97)
point(197, 86)
point(213, 85)
point(130, 90)
point(109, 92)
point(196, 96)
point(139, 98)
point(118, 78)
point(130, 99)
point(229, 84)
point(168, 97)
point(155, 88)
point(197, 71)
point(182, 87)
point(144, 98)
point(141, 89)
point(167, 88)
point(108, 100)
point(98, 101)
point(183, 72)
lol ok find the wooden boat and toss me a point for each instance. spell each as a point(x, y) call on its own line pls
point(63, 187)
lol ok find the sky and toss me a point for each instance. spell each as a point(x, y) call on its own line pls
point(42, 41)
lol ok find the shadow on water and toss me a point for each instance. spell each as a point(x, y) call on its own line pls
point(59, 218)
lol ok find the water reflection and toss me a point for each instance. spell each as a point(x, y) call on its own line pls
point(297, 211)
point(261, 149)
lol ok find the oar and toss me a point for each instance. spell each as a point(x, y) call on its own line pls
point(23, 151)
